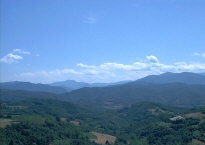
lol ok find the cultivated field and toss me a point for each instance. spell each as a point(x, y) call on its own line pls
point(102, 138)
point(76, 123)
point(197, 142)
point(195, 115)
point(63, 119)
point(18, 107)
point(5, 122)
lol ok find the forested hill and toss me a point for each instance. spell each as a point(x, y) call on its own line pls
point(45, 106)
point(172, 94)
point(17, 95)
point(115, 97)
point(37, 121)
point(33, 87)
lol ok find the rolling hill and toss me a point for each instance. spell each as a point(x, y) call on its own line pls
point(144, 123)
point(17, 95)
point(113, 97)
point(32, 87)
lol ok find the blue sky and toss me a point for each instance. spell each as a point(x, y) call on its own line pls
point(100, 40)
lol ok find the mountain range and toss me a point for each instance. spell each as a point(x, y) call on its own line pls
point(73, 85)
point(185, 77)
point(57, 87)
point(33, 87)
point(183, 89)
point(141, 113)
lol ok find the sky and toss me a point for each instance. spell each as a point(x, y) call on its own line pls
point(100, 40)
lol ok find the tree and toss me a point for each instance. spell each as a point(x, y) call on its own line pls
point(11, 142)
point(58, 118)
point(107, 142)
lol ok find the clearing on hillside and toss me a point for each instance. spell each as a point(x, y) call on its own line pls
point(5, 122)
point(102, 138)
point(63, 119)
point(195, 115)
point(197, 142)
point(76, 123)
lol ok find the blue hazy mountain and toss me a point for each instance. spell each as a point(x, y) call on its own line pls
point(202, 74)
point(73, 85)
point(33, 87)
point(185, 77)
point(181, 89)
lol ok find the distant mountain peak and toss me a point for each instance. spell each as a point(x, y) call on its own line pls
point(169, 77)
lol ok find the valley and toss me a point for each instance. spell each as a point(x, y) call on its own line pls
point(131, 113)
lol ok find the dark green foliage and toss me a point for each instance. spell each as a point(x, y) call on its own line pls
point(44, 107)
point(115, 97)
point(176, 94)
point(17, 95)
point(51, 130)
point(143, 123)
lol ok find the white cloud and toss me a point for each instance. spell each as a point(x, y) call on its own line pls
point(152, 59)
point(199, 54)
point(37, 55)
point(20, 51)
point(13, 57)
point(90, 20)
point(190, 67)
point(114, 65)
point(112, 71)
point(10, 58)
point(87, 75)
point(28, 74)
point(85, 66)
point(196, 54)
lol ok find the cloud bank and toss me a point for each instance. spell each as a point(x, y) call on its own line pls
point(112, 71)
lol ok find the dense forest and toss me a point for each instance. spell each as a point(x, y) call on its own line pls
point(48, 121)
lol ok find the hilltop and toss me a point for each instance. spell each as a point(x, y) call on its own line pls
point(33, 87)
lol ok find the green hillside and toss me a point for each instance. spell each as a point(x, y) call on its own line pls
point(16, 95)
point(176, 94)
point(37, 121)
point(115, 97)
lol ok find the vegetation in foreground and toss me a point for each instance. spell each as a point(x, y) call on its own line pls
point(37, 121)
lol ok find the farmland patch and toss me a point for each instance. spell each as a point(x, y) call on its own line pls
point(76, 123)
point(5, 122)
point(195, 115)
point(102, 138)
